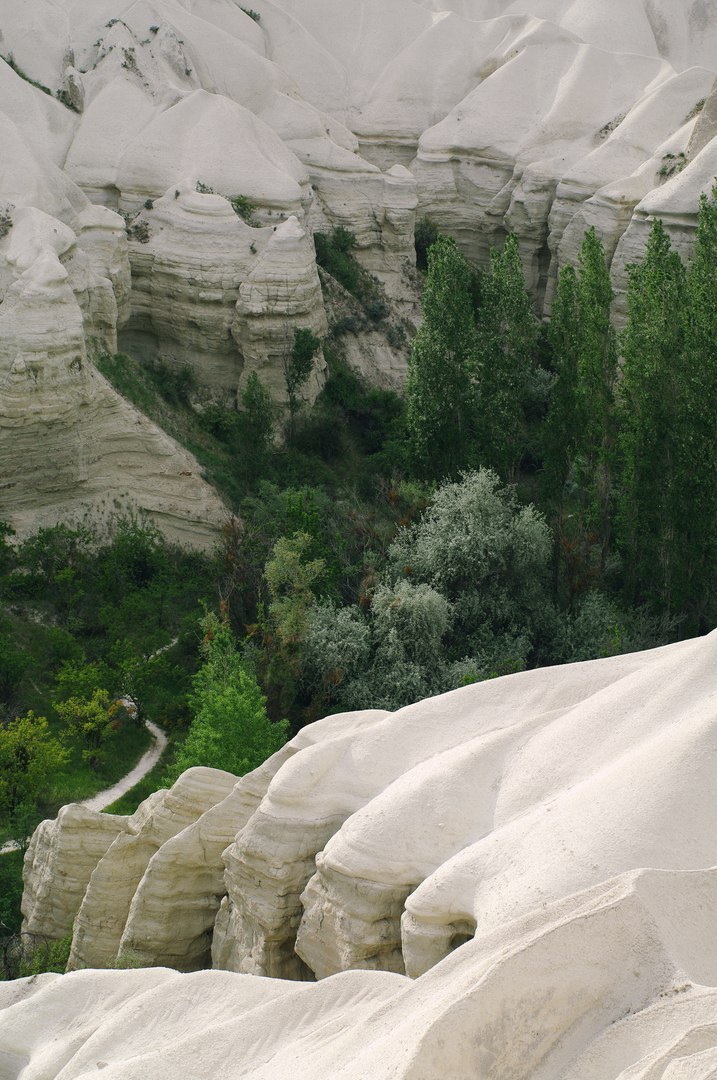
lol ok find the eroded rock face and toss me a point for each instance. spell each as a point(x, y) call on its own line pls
point(542, 118)
point(70, 447)
point(216, 295)
point(58, 864)
point(105, 907)
point(508, 117)
point(279, 293)
point(179, 933)
point(538, 846)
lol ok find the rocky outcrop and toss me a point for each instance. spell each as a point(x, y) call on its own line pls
point(510, 118)
point(212, 293)
point(58, 864)
point(177, 930)
point(370, 839)
point(70, 447)
point(542, 119)
point(280, 293)
point(536, 852)
point(675, 203)
point(105, 907)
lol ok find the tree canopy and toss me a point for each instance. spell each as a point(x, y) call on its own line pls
point(230, 729)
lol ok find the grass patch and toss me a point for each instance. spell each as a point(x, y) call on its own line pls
point(122, 751)
point(153, 781)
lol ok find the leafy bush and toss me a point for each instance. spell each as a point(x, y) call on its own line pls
point(48, 956)
point(230, 729)
point(396, 335)
point(138, 229)
point(333, 253)
point(175, 382)
point(672, 164)
point(346, 324)
point(463, 595)
point(337, 647)
point(243, 207)
point(10, 892)
point(372, 416)
point(695, 110)
point(29, 758)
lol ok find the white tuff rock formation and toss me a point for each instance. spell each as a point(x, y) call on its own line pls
point(541, 117)
point(525, 870)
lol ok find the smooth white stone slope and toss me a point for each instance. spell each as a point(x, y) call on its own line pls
point(538, 853)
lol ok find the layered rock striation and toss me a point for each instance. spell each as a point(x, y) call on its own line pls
point(516, 879)
point(541, 119)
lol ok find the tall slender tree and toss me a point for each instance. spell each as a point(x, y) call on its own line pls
point(560, 428)
point(508, 333)
point(696, 490)
point(597, 370)
point(440, 401)
point(650, 390)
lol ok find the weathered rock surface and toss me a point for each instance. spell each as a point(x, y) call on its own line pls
point(172, 913)
point(70, 446)
point(615, 983)
point(541, 118)
point(493, 107)
point(58, 865)
point(256, 926)
point(212, 293)
point(105, 907)
point(537, 852)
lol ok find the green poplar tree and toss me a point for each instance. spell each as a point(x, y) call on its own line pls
point(439, 394)
point(508, 333)
point(560, 428)
point(649, 393)
point(696, 491)
point(597, 370)
point(298, 365)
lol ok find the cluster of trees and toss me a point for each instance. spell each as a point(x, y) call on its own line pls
point(625, 442)
point(472, 364)
point(544, 493)
point(94, 636)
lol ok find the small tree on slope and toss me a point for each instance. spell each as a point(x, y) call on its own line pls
point(230, 729)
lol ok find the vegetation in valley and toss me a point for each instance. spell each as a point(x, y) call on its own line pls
point(544, 493)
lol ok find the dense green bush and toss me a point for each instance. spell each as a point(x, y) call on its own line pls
point(230, 729)
point(463, 594)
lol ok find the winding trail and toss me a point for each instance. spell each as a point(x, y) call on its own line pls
point(105, 798)
point(148, 760)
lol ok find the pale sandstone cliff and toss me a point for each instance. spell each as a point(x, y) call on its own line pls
point(492, 843)
point(541, 118)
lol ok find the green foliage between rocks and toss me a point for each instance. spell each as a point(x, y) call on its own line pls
point(230, 729)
